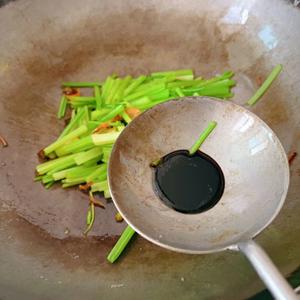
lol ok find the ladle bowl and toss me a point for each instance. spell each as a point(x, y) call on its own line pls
point(256, 175)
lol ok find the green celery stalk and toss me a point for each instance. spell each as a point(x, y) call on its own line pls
point(58, 143)
point(203, 136)
point(91, 125)
point(135, 83)
point(86, 116)
point(99, 178)
point(81, 171)
point(82, 144)
point(164, 94)
point(125, 117)
point(106, 87)
point(264, 87)
point(179, 92)
point(71, 182)
point(140, 101)
point(47, 178)
point(99, 186)
point(73, 124)
point(84, 99)
point(226, 83)
point(52, 164)
point(114, 89)
point(49, 184)
point(153, 103)
point(121, 244)
point(116, 111)
point(71, 172)
point(38, 178)
point(62, 166)
point(80, 84)
point(98, 98)
point(102, 169)
point(146, 91)
point(177, 73)
point(184, 83)
point(106, 154)
point(124, 84)
point(105, 138)
point(62, 107)
point(98, 114)
point(107, 193)
point(82, 158)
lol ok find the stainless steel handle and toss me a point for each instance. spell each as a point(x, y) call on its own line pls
point(267, 271)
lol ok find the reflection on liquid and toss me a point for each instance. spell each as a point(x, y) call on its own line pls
point(244, 123)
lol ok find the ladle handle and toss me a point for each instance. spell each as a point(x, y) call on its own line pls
point(267, 271)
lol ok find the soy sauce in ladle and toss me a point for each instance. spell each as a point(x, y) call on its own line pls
point(188, 183)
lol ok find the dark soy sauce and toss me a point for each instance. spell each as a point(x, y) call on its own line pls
point(188, 183)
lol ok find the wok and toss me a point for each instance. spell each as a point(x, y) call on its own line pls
point(42, 253)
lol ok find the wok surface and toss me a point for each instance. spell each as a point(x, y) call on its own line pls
point(44, 43)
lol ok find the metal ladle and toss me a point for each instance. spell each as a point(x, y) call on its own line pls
point(256, 174)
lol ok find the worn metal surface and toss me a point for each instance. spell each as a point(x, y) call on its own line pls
point(253, 161)
point(44, 43)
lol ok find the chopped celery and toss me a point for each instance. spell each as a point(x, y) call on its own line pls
point(107, 193)
point(146, 91)
point(49, 184)
point(52, 164)
point(106, 153)
point(177, 73)
point(80, 84)
point(47, 178)
point(124, 84)
point(104, 138)
point(107, 87)
point(117, 110)
point(82, 144)
point(140, 101)
point(114, 89)
point(85, 145)
point(99, 186)
point(91, 125)
point(179, 92)
point(102, 169)
point(98, 98)
point(135, 83)
point(125, 117)
point(71, 182)
point(73, 124)
point(81, 171)
point(99, 113)
point(38, 178)
point(183, 83)
point(203, 136)
point(264, 87)
point(58, 143)
point(62, 107)
point(164, 94)
point(121, 244)
point(88, 155)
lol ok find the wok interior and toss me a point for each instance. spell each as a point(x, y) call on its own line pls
point(251, 157)
point(44, 44)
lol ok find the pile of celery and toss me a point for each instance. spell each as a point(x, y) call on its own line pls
point(80, 154)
